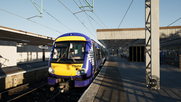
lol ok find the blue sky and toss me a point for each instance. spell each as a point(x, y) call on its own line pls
point(110, 12)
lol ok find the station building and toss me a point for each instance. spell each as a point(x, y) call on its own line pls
point(130, 42)
point(18, 47)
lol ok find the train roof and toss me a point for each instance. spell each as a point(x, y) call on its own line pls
point(75, 37)
point(72, 37)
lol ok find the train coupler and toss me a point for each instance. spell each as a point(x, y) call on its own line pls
point(64, 86)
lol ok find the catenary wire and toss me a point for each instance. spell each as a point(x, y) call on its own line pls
point(125, 13)
point(30, 20)
point(54, 18)
point(86, 14)
point(77, 18)
point(99, 19)
point(174, 22)
point(122, 21)
point(89, 19)
point(95, 21)
point(89, 16)
point(96, 16)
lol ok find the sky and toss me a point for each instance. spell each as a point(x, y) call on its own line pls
point(14, 14)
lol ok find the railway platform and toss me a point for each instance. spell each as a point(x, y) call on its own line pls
point(22, 73)
point(123, 81)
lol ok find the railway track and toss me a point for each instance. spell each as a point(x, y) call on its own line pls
point(26, 93)
point(22, 90)
point(51, 99)
point(40, 92)
point(72, 96)
point(43, 94)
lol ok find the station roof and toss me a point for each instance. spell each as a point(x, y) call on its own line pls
point(19, 36)
point(115, 38)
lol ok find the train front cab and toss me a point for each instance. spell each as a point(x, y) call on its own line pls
point(73, 60)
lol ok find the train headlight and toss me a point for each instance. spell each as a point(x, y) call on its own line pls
point(50, 70)
point(81, 72)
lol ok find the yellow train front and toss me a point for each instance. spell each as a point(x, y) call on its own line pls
point(74, 58)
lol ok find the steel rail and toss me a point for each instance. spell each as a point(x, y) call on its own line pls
point(26, 93)
point(53, 97)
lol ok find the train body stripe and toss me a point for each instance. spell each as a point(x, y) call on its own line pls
point(71, 38)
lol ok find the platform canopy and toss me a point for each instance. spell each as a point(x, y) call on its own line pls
point(115, 38)
point(9, 34)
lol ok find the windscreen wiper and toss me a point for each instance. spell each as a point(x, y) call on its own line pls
point(72, 57)
point(61, 57)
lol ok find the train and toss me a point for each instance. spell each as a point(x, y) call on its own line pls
point(74, 59)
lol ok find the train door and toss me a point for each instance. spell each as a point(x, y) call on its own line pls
point(100, 53)
point(95, 57)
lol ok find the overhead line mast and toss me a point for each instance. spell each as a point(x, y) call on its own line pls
point(152, 44)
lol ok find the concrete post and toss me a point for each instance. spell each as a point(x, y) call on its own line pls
point(152, 42)
point(155, 40)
